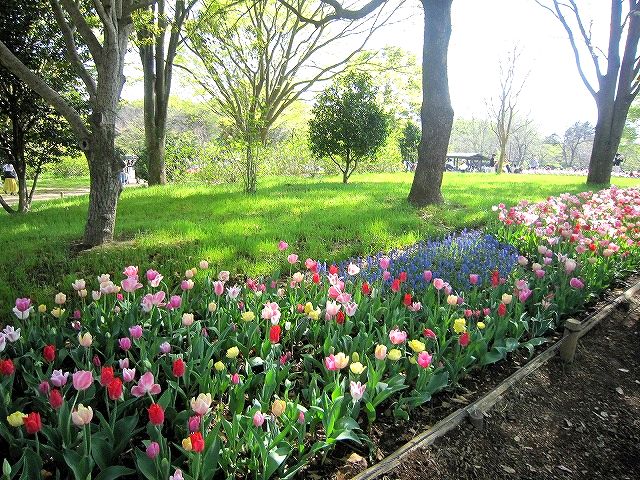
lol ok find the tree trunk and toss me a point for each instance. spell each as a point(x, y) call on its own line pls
point(436, 112)
point(155, 153)
point(104, 169)
point(606, 140)
point(501, 157)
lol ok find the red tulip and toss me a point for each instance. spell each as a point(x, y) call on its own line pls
point(403, 277)
point(366, 289)
point(333, 269)
point(395, 286)
point(340, 317)
point(407, 299)
point(464, 339)
point(274, 334)
point(49, 353)
point(106, 375)
point(502, 310)
point(178, 367)
point(6, 367)
point(197, 442)
point(156, 414)
point(316, 278)
point(55, 399)
point(114, 389)
point(32, 423)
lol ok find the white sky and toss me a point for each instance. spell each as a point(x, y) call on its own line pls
point(484, 31)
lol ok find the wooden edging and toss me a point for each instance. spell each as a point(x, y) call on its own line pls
point(482, 405)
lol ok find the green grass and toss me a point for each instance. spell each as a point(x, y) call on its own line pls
point(48, 182)
point(171, 228)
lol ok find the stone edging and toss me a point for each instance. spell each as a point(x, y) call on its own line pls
point(477, 409)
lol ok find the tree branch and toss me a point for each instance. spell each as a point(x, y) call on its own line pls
point(95, 48)
point(33, 81)
point(340, 13)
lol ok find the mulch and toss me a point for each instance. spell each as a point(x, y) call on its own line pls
point(580, 421)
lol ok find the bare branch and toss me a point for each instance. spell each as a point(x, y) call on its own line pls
point(33, 81)
point(95, 48)
point(340, 13)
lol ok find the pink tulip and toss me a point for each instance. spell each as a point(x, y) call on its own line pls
point(233, 292)
point(357, 390)
point(223, 276)
point(174, 302)
point(82, 380)
point(123, 363)
point(292, 259)
point(397, 336)
point(154, 278)
point(235, 379)
point(569, 266)
point(218, 287)
point(576, 283)
point(131, 284)
point(258, 419)
point(539, 273)
point(59, 379)
point(438, 283)
point(124, 343)
point(384, 263)
point(473, 278)
point(350, 309)
point(386, 275)
point(128, 374)
point(424, 359)
point(23, 304)
point(153, 450)
point(186, 285)
point(428, 333)
point(282, 245)
point(131, 271)
point(151, 300)
point(330, 363)
point(344, 298)
point(44, 387)
point(135, 332)
point(331, 309)
point(165, 347)
point(522, 261)
point(145, 385)
point(353, 269)
point(415, 307)
point(301, 419)
point(427, 275)
point(194, 423)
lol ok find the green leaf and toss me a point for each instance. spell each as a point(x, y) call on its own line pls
point(113, 472)
point(210, 459)
point(276, 457)
point(437, 382)
point(348, 435)
point(145, 465)
point(79, 465)
point(101, 451)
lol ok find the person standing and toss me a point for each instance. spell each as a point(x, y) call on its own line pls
point(9, 175)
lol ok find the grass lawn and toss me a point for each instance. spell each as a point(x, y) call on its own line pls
point(48, 182)
point(171, 228)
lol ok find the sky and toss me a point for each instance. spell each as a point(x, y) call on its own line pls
point(483, 34)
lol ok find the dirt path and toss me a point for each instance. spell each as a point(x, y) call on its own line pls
point(576, 422)
point(49, 194)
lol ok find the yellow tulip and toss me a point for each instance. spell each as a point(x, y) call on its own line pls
point(233, 352)
point(459, 325)
point(341, 360)
point(57, 312)
point(481, 325)
point(16, 419)
point(452, 300)
point(278, 407)
point(248, 316)
point(186, 444)
point(308, 307)
point(212, 307)
point(506, 298)
point(219, 366)
point(357, 368)
point(42, 308)
point(417, 346)
point(314, 314)
point(394, 354)
point(355, 357)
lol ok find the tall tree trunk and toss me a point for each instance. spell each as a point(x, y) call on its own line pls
point(104, 169)
point(436, 112)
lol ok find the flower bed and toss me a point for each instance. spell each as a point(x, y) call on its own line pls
point(214, 379)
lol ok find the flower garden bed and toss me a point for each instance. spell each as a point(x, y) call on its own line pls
point(213, 379)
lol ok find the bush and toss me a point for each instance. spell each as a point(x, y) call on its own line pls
point(68, 167)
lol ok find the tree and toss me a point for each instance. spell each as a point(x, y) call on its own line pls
point(503, 109)
point(524, 148)
point(157, 59)
point(259, 58)
point(617, 77)
point(348, 125)
point(31, 133)
point(576, 135)
point(436, 113)
point(103, 81)
point(409, 142)
point(474, 135)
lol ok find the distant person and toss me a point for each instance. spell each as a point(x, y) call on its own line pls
point(123, 177)
point(9, 176)
point(617, 162)
point(534, 164)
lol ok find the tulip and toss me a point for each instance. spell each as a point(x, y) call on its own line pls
point(438, 283)
point(124, 343)
point(292, 259)
point(248, 316)
point(353, 269)
point(506, 298)
point(394, 354)
point(186, 285)
point(428, 333)
point(233, 352)
point(59, 379)
point(85, 339)
point(258, 419)
point(114, 389)
point(384, 263)
point(463, 340)
point(194, 423)
point(576, 283)
point(42, 308)
point(235, 379)
point(417, 346)
point(135, 332)
point(219, 366)
point(473, 278)
point(186, 444)
point(16, 419)
point(131, 284)
point(278, 407)
point(424, 359)
point(381, 352)
point(201, 403)
point(7, 367)
point(502, 310)
point(82, 415)
point(197, 442)
point(82, 380)
point(106, 375)
point(49, 353)
point(357, 368)
point(452, 300)
point(165, 347)
point(481, 325)
point(187, 319)
point(212, 307)
point(178, 367)
point(145, 385)
point(459, 325)
point(357, 390)
point(32, 423)
point(274, 334)
point(44, 387)
point(282, 245)
point(397, 336)
point(233, 292)
point(174, 302)
point(153, 450)
point(156, 414)
point(128, 374)
point(60, 298)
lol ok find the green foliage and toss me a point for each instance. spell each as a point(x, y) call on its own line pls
point(67, 167)
point(348, 125)
point(170, 227)
point(409, 142)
